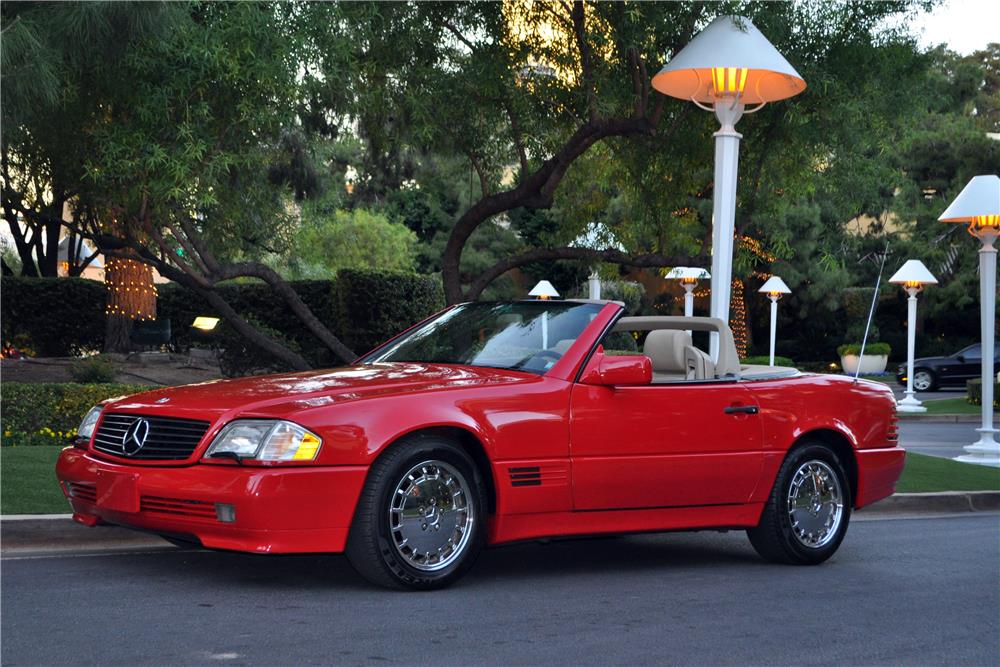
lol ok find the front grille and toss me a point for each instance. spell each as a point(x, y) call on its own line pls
point(168, 438)
point(196, 509)
point(83, 491)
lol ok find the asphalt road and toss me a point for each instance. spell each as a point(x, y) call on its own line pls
point(937, 439)
point(899, 592)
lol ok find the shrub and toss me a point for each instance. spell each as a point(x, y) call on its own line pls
point(871, 348)
point(241, 357)
point(374, 306)
point(93, 370)
point(974, 392)
point(47, 413)
point(53, 317)
point(766, 359)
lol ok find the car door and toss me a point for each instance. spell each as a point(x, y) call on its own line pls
point(664, 445)
point(967, 364)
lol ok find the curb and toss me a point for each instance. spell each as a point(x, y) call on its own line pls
point(938, 419)
point(936, 503)
point(22, 533)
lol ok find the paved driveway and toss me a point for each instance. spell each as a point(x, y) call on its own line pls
point(899, 592)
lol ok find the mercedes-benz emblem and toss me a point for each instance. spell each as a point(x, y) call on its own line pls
point(135, 437)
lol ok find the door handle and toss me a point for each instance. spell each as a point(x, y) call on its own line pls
point(742, 409)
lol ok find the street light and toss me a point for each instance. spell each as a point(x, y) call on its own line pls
point(978, 204)
point(726, 66)
point(774, 288)
point(913, 275)
point(543, 291)
point(689, 277)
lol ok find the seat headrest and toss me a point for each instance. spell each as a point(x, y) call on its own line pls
point(665, 348)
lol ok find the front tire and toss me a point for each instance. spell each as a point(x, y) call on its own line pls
point(420, 521)
point(924, 380)
point(806, 516)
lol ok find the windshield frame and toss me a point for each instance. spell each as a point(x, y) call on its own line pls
point(596, 307)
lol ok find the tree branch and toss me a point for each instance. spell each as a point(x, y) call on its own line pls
point(587, 254)
point(586, 65)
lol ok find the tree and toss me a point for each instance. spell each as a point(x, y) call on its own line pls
point(526, 93)
point(174, 148)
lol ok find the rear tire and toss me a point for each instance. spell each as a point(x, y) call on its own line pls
point(420, 521)
point(806, 516)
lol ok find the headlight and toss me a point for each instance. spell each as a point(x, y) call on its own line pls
point(265, 440)
point(86, 429)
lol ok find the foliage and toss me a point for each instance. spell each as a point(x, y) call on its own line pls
point(239, 356)
point(58, 316)
point(765, 360)
point(375, 306)
point(29, 484)
point(875, 349)
point(974, 392)
point(98, 369)
point(329, 241)
point(49, 413)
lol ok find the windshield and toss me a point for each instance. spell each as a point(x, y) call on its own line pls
point(525, 335)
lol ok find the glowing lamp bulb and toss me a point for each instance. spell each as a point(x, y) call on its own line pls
point(985, 223)
point(774, 295)
point(728, 81)
point(689, 281)
point(912, 283)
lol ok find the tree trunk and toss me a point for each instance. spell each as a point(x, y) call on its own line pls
point(131, 296)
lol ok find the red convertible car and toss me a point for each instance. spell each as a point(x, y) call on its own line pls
point(490, 423)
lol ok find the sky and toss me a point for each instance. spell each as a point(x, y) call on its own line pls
point(964, 25)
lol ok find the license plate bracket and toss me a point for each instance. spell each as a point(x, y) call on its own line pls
point(118, 491)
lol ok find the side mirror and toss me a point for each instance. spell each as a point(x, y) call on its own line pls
point(610, 371)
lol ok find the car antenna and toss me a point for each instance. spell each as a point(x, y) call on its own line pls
point(871, 311)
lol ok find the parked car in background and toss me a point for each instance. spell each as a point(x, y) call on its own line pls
point(492, 423)
point(932, 373)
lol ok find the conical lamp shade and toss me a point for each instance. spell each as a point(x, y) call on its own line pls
point(981, 196)
point(729, 42)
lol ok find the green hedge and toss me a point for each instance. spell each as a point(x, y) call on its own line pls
point(875, 349)
point(52, 317)
point(375, 306)
point(47, 413)
point(63, 316)
point(974, 392)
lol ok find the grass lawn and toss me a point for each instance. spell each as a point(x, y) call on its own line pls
point(931, 473)
point(951, 406)
point(29, 481)
point(30, 486)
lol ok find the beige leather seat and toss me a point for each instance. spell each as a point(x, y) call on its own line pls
point(699, 364)
point(665, 349)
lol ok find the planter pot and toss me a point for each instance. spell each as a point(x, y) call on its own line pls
point(869, 363)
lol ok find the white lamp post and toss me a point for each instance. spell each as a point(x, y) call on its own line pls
point(774, 288)
point(978, 204)
point(689, 277)
point(543, 291)
point(726, 66)
point(594, 284)
point(913, 275)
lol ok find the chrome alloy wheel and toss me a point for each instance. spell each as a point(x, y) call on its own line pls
point(815, 504)
point(431, 515)
point(922, 381)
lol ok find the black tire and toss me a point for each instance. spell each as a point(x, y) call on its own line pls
point(933, 386)
point(775, 538)
point(372, 543)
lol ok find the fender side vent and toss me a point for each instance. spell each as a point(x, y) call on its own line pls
point(526, 476)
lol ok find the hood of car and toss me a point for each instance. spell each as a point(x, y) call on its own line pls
point(311, 389)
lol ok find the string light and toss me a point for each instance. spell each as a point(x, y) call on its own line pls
point(738, 319)
point(131, 291)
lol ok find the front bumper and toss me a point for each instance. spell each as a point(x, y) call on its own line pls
point(878, 472)
point(304, 509)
